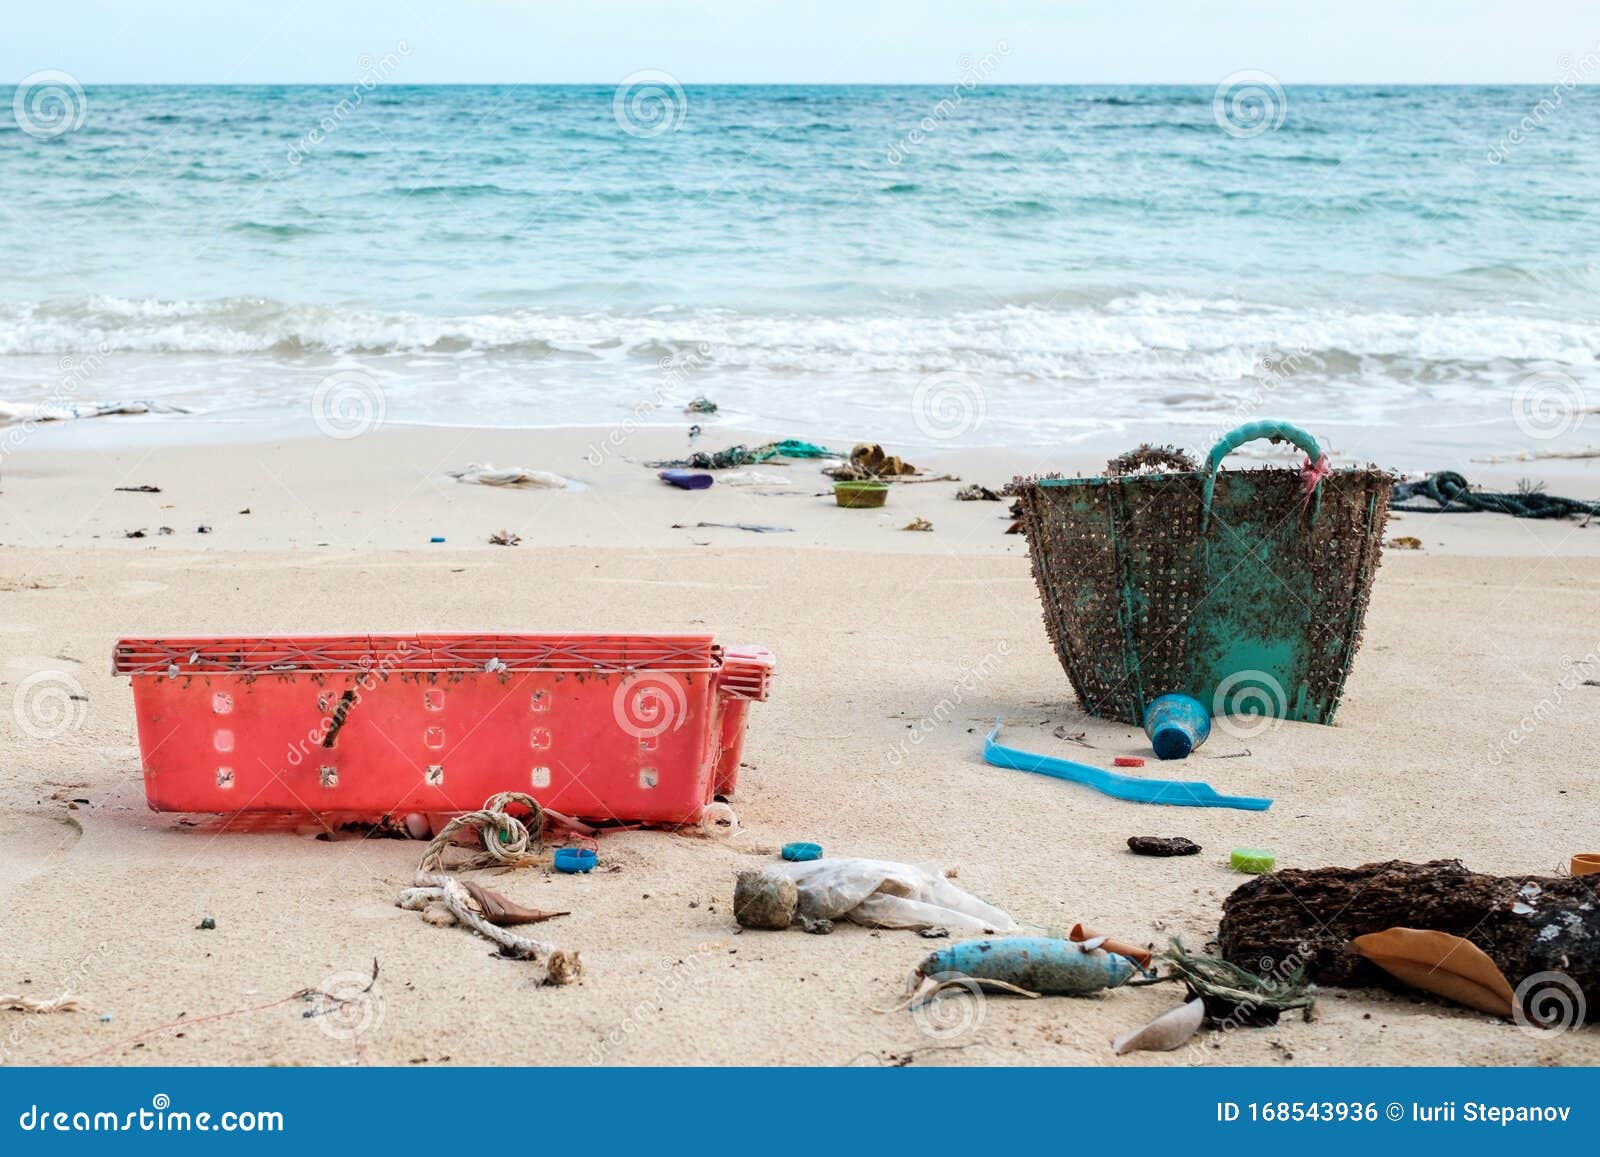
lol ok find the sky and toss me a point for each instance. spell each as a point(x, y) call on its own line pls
point(800, 41)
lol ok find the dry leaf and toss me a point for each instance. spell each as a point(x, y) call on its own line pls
point(1442, 964)
point(1166, 1032)
point(499, 910)
point(1140, 956)
point(1404, 542)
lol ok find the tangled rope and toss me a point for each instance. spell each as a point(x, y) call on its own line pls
point(507, 841)
point(1450, 492)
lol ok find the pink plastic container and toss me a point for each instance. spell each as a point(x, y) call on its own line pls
point(630, 728)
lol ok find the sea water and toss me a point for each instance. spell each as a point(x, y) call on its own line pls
point(970, 264)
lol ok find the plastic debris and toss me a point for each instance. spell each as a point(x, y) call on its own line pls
point(1585, 864)
point(507, 841)
point(505, 538)
point(801, 852)
point(880, 894)
point(1167, 1032)
point(1176, 725)
point(752, 527)
point(1233, 995)
point(1449, 491)
point(1167, 791)
point(575, 860)
point(14, 412)
point(918, 524)
point(1140, 956)
point(1255, 861)
point(746, 456)
point(976, 493)
point(208, 922)
point(1127, 761)
point(861, 495)
point(1029, 966)
point(686, 479)
point(701, 405)
point(1162, 846)
point(484, 474)
point(144, 489)
point(755, 478)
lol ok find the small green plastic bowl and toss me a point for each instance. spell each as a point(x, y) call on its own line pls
point(860, 495)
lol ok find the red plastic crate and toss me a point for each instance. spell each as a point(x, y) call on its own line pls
point(636, 728)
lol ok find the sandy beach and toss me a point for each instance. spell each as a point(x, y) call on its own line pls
point(873, 628)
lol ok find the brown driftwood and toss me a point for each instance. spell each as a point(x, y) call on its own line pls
point(1306, 918)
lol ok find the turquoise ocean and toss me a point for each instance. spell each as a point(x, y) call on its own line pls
point(971, 264)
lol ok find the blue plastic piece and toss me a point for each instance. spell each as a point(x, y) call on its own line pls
point(1171, 791)
point(802, 851)
point(686, 479)
point(575, 859)
point(437, 538)
point(1176, 725)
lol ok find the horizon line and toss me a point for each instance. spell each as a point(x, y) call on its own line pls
point(946, 83)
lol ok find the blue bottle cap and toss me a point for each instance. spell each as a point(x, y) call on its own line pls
point(575, 859)
point(802, 851)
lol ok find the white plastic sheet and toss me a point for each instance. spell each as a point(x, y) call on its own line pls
point(885, 894)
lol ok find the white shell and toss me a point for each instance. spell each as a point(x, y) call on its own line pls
point(1169, 1030)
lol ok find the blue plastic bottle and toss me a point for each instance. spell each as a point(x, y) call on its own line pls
point(1176, 725)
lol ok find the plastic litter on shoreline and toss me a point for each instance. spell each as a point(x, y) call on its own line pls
point(1165, 791)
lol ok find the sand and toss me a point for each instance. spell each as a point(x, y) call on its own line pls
point(875, 630)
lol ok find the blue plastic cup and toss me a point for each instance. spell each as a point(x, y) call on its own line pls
point(1176, 725)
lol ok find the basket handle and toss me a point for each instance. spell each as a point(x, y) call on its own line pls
point(1250, 432)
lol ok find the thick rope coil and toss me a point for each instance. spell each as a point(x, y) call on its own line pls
point(506, 840)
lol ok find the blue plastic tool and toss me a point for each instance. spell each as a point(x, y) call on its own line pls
point(686, 479)
point(575, 859)
point(800, 851)
point(1176, 725)
point(1172, 791)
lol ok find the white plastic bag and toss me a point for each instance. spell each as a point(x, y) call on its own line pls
point(885, 894)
